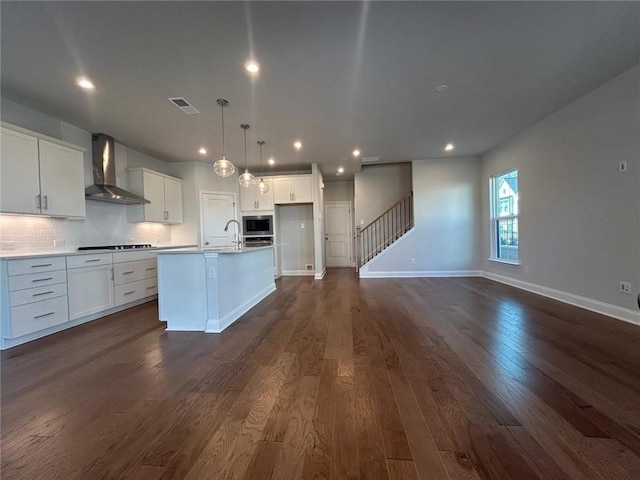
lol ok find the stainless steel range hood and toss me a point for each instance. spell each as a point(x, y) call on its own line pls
point(104, 188)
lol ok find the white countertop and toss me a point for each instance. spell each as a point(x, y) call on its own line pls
point(213, 250)
point(5, 255)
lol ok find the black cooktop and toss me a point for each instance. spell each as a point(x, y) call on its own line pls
point(116, 247)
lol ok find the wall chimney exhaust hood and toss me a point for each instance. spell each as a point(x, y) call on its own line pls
point(104, 188)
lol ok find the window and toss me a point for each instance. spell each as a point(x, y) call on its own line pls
point(504, 216)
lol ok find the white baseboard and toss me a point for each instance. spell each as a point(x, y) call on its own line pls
point(217, 325)
point(298, 273)
point(597, 306)
point(421, 274)
point(320, 276)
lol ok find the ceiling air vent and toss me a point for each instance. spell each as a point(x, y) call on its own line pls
point(369, 159)
point(183, 105)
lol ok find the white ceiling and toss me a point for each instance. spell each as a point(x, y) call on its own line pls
point(336, 75)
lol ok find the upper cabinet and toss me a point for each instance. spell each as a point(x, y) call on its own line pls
point(163, 192)
point(251, 200)
point(293, 189)
point(40, 175)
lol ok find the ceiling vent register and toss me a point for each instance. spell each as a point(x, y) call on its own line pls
point(183, 105)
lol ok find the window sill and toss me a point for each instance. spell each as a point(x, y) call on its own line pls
point(507, 262)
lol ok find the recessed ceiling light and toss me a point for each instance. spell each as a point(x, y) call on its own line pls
point(442, 88)
point(252, 67)
point(202, 151)
point(297, 144)
point(340, 170)
point(84, 82)
point(449, 147)
point(356, 153)
point(272, 161)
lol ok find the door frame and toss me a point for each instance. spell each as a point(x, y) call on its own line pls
point(352, 261)
point(201, 207)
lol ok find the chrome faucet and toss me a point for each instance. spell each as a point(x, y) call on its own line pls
point(226, 228)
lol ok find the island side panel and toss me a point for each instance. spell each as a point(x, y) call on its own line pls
point(244, 279)
point(182, 291)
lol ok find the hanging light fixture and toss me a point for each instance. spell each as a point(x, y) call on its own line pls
point(261, 186)
point(223, 167)
point(246, 180)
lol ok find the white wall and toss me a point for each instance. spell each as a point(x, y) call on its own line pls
point(339, 192)
point(579, 217)
point(105, 223)
point(446, 239)
point(297, 240)
point(199, 177)
point(378, 187)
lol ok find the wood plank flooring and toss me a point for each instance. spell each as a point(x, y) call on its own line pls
point(342, 378)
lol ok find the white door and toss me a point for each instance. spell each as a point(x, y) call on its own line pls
point(61, 180)
point(153, 187)
point(90, 290)
point(173, 200)
point(19, 175)
point(217, 209)
point(337, 226)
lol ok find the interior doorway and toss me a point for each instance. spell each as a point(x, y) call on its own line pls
point(338, 236)
point(217, 209)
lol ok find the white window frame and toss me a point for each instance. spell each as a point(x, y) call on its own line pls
point(495, 216)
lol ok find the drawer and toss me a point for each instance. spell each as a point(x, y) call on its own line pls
point(120, 257)
point(130, 292)
point(36, 265)
point(79, 261)
point(150, 286)
point(20, 282)
point(38, 316)
point(128, 272)
point(150, 268)
point(30, 295)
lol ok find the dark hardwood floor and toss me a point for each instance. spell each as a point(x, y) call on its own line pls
point(401, 378)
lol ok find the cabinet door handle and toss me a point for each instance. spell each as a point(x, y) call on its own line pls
point(41, 265)
point(44, 315)
point(129, 293)
point(43, 293)
point(41, 279)
point(92, 260)
point(151, 268)
point(38, 202)
point(46, 202)
point(111, 273)
point(127, 273)
point(149, 288)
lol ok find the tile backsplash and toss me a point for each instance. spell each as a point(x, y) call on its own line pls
point(105, 224)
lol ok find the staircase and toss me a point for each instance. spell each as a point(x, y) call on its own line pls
point(384, 230)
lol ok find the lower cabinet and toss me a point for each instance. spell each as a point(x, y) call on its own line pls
point(38, 294)
point(90, 290)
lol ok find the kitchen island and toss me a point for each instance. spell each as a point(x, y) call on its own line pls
point(206, 290)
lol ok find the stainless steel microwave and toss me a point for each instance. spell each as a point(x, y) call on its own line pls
point(255, 225)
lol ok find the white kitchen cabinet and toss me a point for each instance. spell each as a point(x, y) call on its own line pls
point(251, 200)
point(34, 295)
point(163, 192)
point(293, 189)
point(90, 290)
point(40, 175)
point(135, 276)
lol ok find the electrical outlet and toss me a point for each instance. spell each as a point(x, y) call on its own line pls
point(526, 269)
point(412, 261)
point(625, 287)
point(59, 243)
point(8, 245)
point(622, 167)
point(212, 272)
point(302, 225)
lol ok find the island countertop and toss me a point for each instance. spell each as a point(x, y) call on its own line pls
point(214, 250)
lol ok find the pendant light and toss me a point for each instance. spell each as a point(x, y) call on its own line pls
point(223, 167)
point(246, 180)
point(261, 186)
